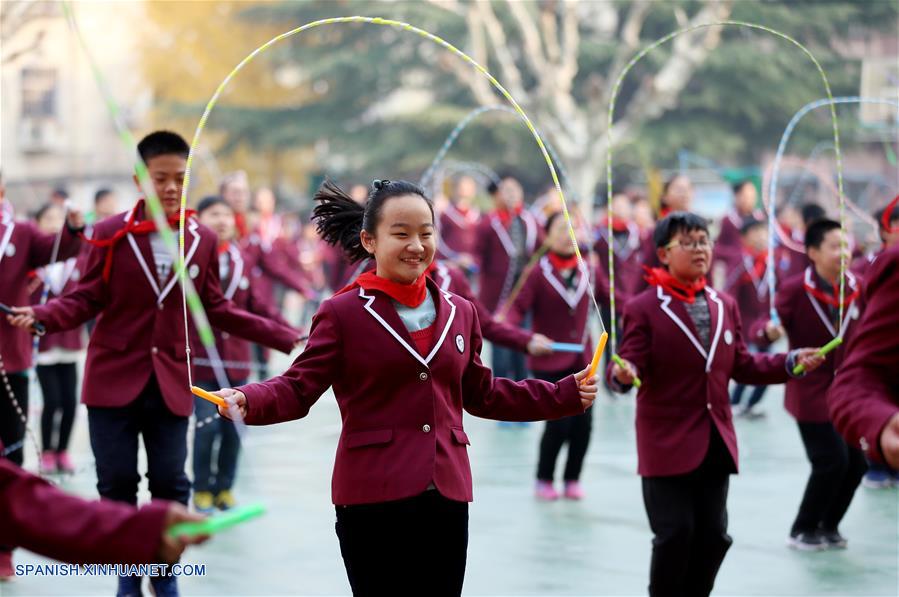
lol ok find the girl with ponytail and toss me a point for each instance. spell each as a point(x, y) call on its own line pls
point(403, 359)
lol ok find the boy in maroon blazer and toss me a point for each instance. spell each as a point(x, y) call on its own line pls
point(729, 244)
point(747, 283)
point(506, 239)
point(213, 490)
point(864, 397)
point(685, 342)
point(808, 308)
point(135, 377)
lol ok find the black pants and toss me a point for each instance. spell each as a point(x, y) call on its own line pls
point(837, 469)
point(114, 440)
point(58, 383)
point(12, 429)
point(574, 430)
point(216, 436)
point(688, 516)
point(416, 546)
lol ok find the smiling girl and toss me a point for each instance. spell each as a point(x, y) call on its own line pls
point(403, 358)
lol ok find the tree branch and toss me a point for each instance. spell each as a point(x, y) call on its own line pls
point(533, 47)
point(478, 85)
point(494, 29)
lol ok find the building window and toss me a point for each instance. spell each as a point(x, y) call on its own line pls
point(39, 91)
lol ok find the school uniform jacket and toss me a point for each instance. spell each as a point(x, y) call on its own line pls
point(23, 248)
point(450, 278)
point(269, 264)
point(559, 312)
point(72, 339)
point(52, 523)
point(495, 251)
point(401, 410)
point(628, 260)
point(864, 395)
point(140, 328)
point(684, 385)
point(238, 288)
point(457, 231)
point(807, 324)
point(751, 293)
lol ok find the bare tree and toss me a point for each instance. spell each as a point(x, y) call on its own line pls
point(547, 55)
point(14, 16)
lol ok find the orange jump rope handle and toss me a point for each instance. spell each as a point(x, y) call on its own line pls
point(208, 396)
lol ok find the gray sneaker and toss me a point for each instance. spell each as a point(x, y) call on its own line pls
point(833, 539)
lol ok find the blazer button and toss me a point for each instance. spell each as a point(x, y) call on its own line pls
point(225, 335)
point(426, 428)
point(161, 306)
point(709, 406)
point(423, 376)
point(154, 350)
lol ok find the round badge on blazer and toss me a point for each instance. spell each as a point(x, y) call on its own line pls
point(193, 271)
point(75, 275)
point(853, 312)
point(728, 337)
point(244, 283)
point(460, 343)
point(10, 250)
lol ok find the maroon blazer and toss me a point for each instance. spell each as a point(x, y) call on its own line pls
point(458, 232)
point(450, 278)
point(72, 339)
point(23, 248)
point(558, 312)
point(729, 244)
point(864, 396)
point(628, 255)
point(401, 411)
point(751, 293)
point(52, 523)
point(269, 264)
point(140, 328)
point(494, 251)
point(684, 390)
point(237, 288)
point(807, 324)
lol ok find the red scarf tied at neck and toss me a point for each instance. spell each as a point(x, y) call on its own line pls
point(661, 277)
point(506, 216)
point(135, 228)
point(410, 295)
point(562, 262)
point(832, 299)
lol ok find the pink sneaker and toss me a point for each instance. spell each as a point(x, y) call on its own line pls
point(546, 492)
point(65, 463)
point(6, 569)
point(573, 490)
point(48, 462)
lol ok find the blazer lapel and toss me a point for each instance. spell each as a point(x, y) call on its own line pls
point(571, 296)
point(192, 226)
point(678, 314)
point(140, 246)
point(235, 271)
point(820, 310)
point(716, 313)
point(381, 308)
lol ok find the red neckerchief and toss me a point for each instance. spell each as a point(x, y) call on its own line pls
point(830, 299)
point(664, 211)
point(618, 224)
point(759, 264)
point(240, 222)
point(658, 276)
point(411, 295)
point(138, 229)
point(222, 247)
point(505, 216)
point(562, 262)
point(888, 216)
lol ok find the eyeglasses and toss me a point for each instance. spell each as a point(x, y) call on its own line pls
point(702, 243)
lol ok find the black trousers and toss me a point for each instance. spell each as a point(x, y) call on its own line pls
point(12, 429)
point(837, 470)
point(574, 430)
point(688, 516)
point(416, 546)
point(114, 440)
point(58, 385)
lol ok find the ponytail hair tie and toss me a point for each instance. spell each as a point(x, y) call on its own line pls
point(380, 184)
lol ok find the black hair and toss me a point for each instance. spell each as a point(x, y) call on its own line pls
point(43, 209)
point(60, 192)
point(211, 201)
point(492, 187)
point(675, 222)
point(551, 219)
point(339, 220)
point(738, 186)
point(100, 194)
point(812, 212)
point(162, 143)
point(751, 224)
point(815, 233)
